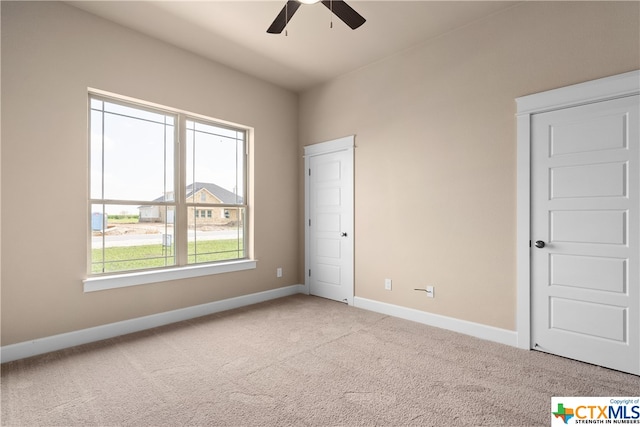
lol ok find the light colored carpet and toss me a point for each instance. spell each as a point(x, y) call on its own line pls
point(297, 361)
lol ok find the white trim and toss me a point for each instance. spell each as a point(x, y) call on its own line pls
point(346, 143)
point(626, 84)
point(477, 330)
point(307, 215)
point(582, 93)
point(101, 283)
point(523, 227)
point(98, 333)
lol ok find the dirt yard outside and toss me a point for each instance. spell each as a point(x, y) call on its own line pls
point(135, 228)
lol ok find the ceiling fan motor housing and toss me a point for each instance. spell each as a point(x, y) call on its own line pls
point(338, 7)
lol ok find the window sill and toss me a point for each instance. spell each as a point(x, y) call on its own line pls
point(101, 283)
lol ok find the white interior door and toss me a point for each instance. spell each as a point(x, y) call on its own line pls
point(585, 191)
point(329, 236)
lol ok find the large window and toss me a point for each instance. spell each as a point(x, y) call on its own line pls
point(157, 203)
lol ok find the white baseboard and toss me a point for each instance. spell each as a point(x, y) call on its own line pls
point(84, 336)
point(25, 349)
point(477, 330)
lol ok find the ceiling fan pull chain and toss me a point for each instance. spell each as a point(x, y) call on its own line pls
point(331, 14)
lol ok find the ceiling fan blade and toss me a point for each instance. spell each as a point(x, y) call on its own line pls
point(283, 17)
point(345, 12)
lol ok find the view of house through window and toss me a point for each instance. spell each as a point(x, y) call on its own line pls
point(137, 194)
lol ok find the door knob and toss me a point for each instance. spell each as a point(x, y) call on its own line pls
point(539, 244)
point(344, 234)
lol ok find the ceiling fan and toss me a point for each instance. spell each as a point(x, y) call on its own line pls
point(338, 7)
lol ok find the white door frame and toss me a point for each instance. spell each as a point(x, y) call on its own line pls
point(607, 88)
point(346, 144)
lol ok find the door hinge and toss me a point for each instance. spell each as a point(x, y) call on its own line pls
point(309, 272)
point(309, 171)
point(309, 222)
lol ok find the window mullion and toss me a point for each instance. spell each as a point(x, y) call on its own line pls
point(103, 237)
point(182, 236)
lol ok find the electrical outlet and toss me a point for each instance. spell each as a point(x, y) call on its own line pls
point(387, 284)
point(279, 272)
point(430, 292)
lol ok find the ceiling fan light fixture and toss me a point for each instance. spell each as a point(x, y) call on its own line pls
point(308, 1)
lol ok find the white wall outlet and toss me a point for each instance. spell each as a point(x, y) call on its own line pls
point(430, 292)
point(387, 284)
point(279, 272)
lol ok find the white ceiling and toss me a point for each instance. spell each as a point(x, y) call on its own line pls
point(234, 32)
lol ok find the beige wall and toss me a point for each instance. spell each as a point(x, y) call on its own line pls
point(51, 54)
point(435, 164)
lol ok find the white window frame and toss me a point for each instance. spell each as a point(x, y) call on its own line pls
point(181, 270)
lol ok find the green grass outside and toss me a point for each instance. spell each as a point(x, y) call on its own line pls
point(122, 219)
point(153, 256)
